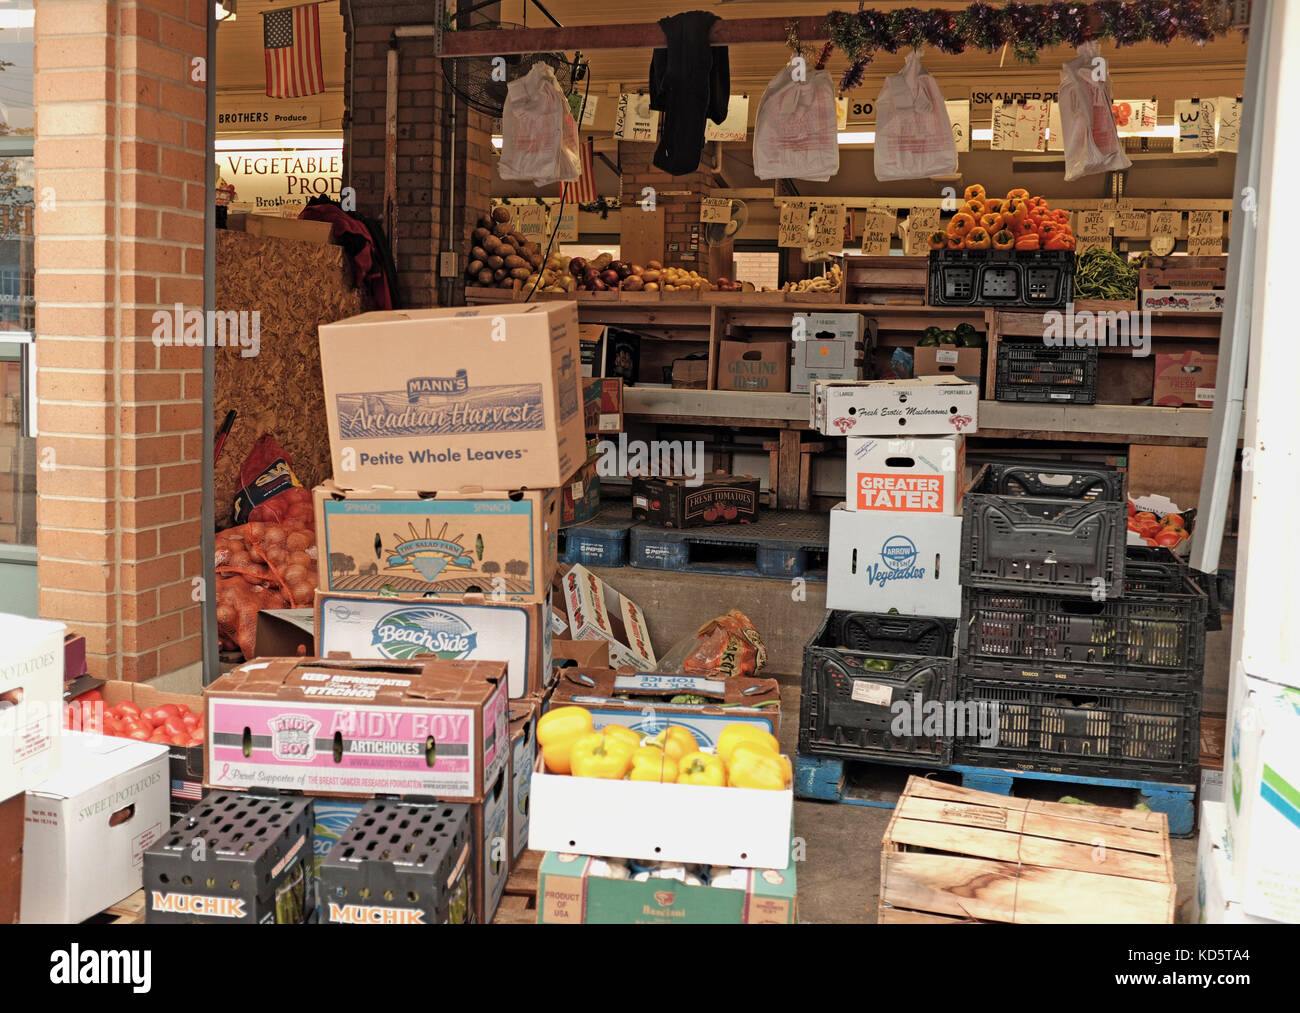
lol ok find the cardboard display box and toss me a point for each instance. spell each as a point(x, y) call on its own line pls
point(579, 653)
point(481, 397)
point(602, 405)
point(185, 763)
point(690, 373)
point(598, 612)
point(1184, 379)
point(523, 756)
point(285, 633)
point(469, 628)
point(754, 365)
point(1182, 300)
point(580, 495)
point(12, 816)
point(882, 561)
point(673, 503)
point(359, 729)
point(949, 360)
point(923, 474)
point(31, 702)
point(923, 406)
point(1217, 900)
point(1262, 774)
point(423, 545)
point(571, 891)
point(828, 349)
point(643, 701)
point(89, 826)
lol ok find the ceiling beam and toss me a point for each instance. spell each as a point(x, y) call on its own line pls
point(589, 38)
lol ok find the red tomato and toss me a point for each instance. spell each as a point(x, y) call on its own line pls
point(67, 715)
point(138, 733)
point(127, 707)
point(166, 710)
point(190, 719)
point(90, 696)
point(180, 740)
point(160, 736)
point(196, 740)
point(112, 725)
point(175, 726)
point(1168, 538)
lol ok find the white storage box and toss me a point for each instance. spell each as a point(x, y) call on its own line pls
point(31, 701)
point(922, 474)
point(1217, 902)
point(924, 406)
point(879, 561)
point(825, 348)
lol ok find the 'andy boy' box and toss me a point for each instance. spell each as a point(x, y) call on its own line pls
point(359, 728)
point(486, 397)
point(430, 544)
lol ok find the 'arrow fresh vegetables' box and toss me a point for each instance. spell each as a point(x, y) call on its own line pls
point(357, 728)
point(432, 544)
point(468, 628)
point(463, 397)
point(924, 406)
point(881, 561)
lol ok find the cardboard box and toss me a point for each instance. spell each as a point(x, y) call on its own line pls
point(598, 612)
point(673, 503)
point(828, 349)
point(358, 729)
point(754, 365)
point(591, 346)
point(1184, 379)
point(644, 699)
point(691, 373)
point(31, 701)
point(923, 406)
point(12, 816)
point(881, 561)
point(579, 653)
point(743, 827)
point(602, 405)
point(922, 474)
point(185, 763)
point(300, 229)
point(523, 757)
point(1217, 902)
point(580, 495)
point(470, 628)
point(333, 816)
point(1262, 771)
point(464, 397)
point(89, 826)
point(285, 633)
point(571, 891)
point(437, 544)
point(1160, 506)
point(949, 360)
point(1182, 300)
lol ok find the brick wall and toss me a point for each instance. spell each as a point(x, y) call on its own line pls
point(681, 213)
point(427, 175)
point(119, 235)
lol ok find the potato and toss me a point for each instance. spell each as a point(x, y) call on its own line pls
point(512, 261)
point(501, 214)
point(499, 273)
point(495, 262)
point(519, 272)
point(485, 276)
point(492, 244)
point(474, 267)
point(478, 253)
point(500, 230)
point(652, 286)
point(649, 275)
point(633, 284)
point(505, 250)
point(478, 235)
point(484, 222)
point(517, 240)
point(654, 265)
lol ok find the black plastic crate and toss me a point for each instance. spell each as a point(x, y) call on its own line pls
point(234, 858)
point(1080, 730)
point(1036, 528)
point(1041, 279)
point(1046, 374)
point(847, 698)
point(920, 636)
point(1152, 638)
point(401, 863)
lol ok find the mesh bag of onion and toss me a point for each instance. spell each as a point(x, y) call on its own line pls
point(263, 565)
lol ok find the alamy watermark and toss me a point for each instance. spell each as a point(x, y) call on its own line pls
point(214, 329)
point(653, 458)
point(1109, 329)
point(951, 719)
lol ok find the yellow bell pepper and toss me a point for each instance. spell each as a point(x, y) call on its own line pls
point(739, 732)
point(676, 741)
point(557, 731)
point(623, 734)
point(701, 768)
point(600, 755)
point(650, 763)
point(752, 766)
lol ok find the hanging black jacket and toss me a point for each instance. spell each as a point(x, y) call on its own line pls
point(689, 82)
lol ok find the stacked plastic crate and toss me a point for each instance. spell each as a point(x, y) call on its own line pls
point(1087, 661)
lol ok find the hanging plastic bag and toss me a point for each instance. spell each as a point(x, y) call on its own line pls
point(913, 132)
point(1088, 129)
point(539, 138)
point(795, 136)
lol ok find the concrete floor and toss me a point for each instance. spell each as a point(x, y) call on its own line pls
point(839, 881)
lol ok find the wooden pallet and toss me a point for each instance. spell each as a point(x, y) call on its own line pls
point(953, 853)
point(128, 911)
point(519, 905)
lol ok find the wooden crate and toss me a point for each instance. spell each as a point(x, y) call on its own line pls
point(886, 280)
point(129, 911)
point(954, 853)
point(1183, 272)
point(519, 905)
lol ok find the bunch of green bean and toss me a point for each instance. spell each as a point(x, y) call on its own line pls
point(1104, 274)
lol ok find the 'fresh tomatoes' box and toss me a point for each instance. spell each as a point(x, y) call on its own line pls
point(326, 726)
point(921, 474)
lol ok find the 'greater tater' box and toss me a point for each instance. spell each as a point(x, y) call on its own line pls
point(459, 398)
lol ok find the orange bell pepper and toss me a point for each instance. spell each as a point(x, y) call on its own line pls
point(1028, 241)
point(974, 208)
point(961, 224)
point(1004, 240)
point(1023, 226)
point(954, 243)
point(1060, 216)
point(977, 238)
point(994, 205)
point(1058, 241)
point(974, 192)
point(1018, 192)
point(991, 222)
point(938, 240)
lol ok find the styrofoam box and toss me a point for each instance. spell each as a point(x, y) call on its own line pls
point(1217, 902)
point(745, 827)
point(923, 406)
point(921, 474)
point(826, 350)
point(882, 561)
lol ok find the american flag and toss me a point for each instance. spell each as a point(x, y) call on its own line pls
point(583, 191)
point(190, 791)
point(291, 38)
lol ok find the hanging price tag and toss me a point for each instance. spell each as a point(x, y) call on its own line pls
point(1205, 246)
point(735, 127)
point(530, 220)
point(566, 229)
point(877, 233)
point(634, 120)
point(1130, 223)
point(1204, 224)
point(1093, 224)
point(959, 117)
point(1192, 125)
point(1166, 223)
point(1083, 245)
point(920, 223)
point(1031, 126)
point(828, 228)
point(1004, 127)
point(1229, 124)
point(792, 227)
point(715, 210)
point(841, 113)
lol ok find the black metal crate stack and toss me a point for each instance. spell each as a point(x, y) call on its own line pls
point(1046, 374)
point(856, 667)
point(1086, 658)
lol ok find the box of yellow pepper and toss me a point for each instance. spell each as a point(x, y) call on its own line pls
point(616, 792)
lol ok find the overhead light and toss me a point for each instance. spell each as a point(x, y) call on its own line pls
point(226, 10)
point(279, 144)
point(497, 141)
point(856, 137)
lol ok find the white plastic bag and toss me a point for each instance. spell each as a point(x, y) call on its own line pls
point(913, 132)
point(795, 136)
point(539, 139)
point(1088, 129)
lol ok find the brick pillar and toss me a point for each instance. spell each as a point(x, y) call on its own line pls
point(427, 174)
point(681, 213)
point(120, 161)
